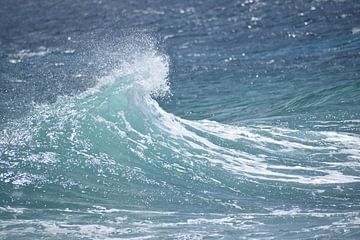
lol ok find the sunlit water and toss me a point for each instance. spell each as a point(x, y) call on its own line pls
point(199, 120)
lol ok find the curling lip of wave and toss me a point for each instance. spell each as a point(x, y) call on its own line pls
point(123, 102)
point(150, 73)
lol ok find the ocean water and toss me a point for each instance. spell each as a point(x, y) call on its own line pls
point(180, 120)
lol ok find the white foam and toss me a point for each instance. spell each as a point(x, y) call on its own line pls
point(257, 152)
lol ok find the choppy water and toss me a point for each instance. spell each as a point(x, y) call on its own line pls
point(166, 120)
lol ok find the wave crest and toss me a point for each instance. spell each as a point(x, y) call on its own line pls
point(116, 134)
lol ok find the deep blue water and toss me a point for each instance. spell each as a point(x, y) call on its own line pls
point(180, 120)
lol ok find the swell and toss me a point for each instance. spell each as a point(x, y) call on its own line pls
point(334, 97)
point(114, 144)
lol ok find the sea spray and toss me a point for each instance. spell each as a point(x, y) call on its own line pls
point(110, 162)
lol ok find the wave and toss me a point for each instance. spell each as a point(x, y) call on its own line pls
point(114, 141)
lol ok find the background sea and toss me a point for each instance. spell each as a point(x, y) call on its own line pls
point(180, 119)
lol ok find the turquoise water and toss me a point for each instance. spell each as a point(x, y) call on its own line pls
point(177, 135)
point(110, 162)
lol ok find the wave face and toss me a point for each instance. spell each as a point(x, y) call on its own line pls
point(111, 163)
point(139, 119)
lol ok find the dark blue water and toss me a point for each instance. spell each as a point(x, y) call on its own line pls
point(180, 120)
